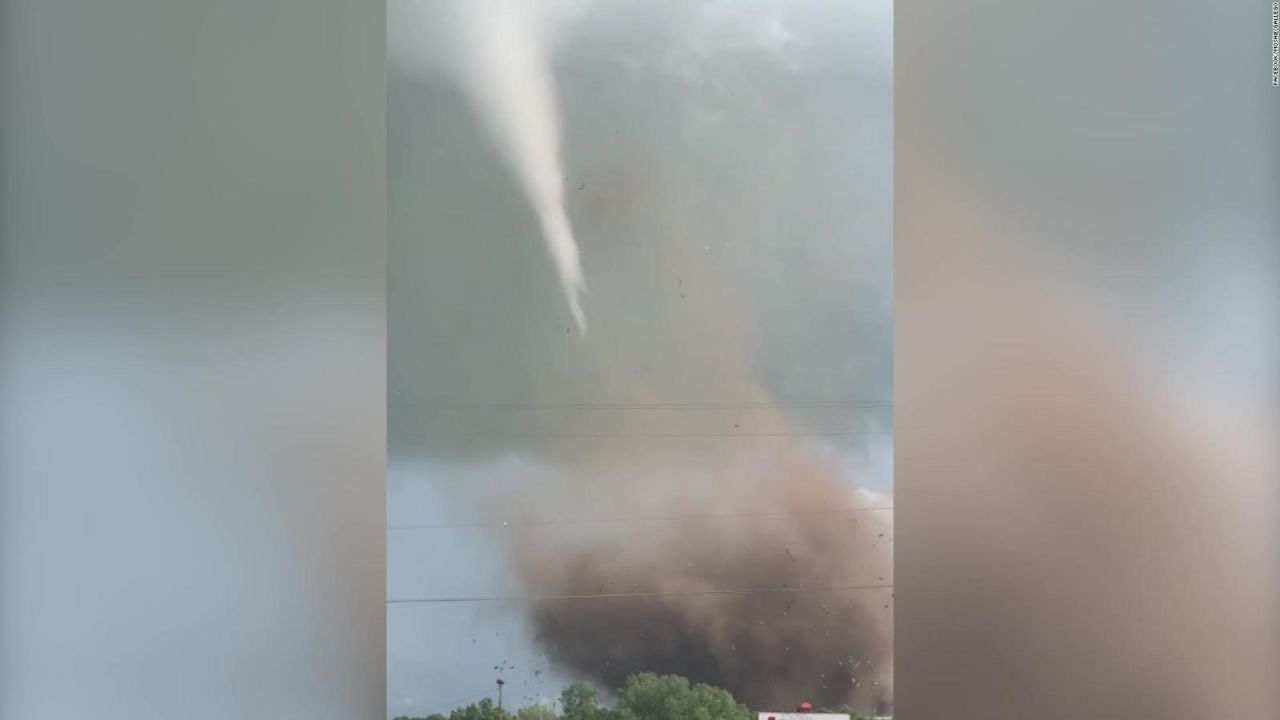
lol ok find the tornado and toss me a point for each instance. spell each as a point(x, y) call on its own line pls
point(498, 54)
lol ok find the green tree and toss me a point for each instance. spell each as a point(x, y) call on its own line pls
point(536, 712)
point(483, 710)
point(647, 696)
point(578, 702)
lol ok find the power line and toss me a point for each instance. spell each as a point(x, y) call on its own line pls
point(651, 518)
point(643, 406)
point(608, 596)
point(455, 703)
point(526, 436)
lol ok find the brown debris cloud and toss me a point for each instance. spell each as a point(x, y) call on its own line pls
point(765, 519)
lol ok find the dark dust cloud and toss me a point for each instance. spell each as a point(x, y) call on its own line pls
point(769, 522)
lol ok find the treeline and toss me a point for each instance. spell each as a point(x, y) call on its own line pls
point(645, 696)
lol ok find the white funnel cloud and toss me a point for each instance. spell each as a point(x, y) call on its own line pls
point(499, 54)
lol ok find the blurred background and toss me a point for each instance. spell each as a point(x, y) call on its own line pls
point(193, 209)
point(1086, 237)
point(192, 354)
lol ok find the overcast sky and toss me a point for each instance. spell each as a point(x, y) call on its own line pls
point(728, 177)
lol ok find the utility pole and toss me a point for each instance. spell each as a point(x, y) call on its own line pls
point(500, 684)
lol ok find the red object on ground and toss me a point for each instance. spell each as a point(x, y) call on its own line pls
point(804, 707)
